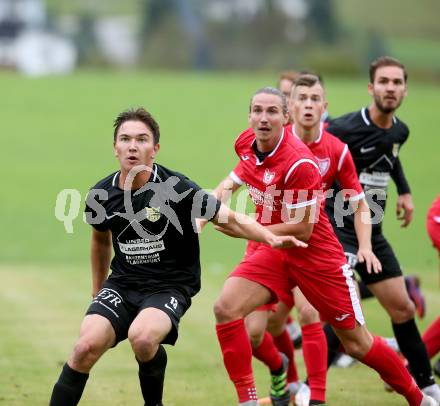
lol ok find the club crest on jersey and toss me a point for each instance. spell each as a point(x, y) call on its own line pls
point(395, 151)
point(268, 176)
point(152, 213)
point(324, 165)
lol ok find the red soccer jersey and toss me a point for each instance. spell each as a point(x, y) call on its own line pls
point(288, 178)
point(433, 223)
point(335, 163)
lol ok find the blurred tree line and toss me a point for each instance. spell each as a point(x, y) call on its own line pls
point(332, 36)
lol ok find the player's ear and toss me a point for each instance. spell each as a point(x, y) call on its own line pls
point(155, 149)
point(370, 89)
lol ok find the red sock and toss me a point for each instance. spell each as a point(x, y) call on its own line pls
point(237, 357)
point(431, 338)
point(391, 369)
point(314, 346)
point(267, 353)
point(284, 345)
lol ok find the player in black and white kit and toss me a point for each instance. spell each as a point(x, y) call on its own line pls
point(374, 136)
point(147, 213)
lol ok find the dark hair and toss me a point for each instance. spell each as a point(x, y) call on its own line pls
point(386, 61)
point(308, 80)
point(313, 73)
point(274, 91)
point(290, 75)
point(137, 114)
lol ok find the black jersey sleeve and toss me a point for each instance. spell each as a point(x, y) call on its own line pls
point(399, 178)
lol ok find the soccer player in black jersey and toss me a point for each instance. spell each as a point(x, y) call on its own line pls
point(374, 136)
point(148, 214)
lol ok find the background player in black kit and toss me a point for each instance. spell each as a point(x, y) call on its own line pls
point(374, 136)
point(147, 214)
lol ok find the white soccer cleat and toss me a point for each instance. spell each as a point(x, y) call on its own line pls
point(433, 391)
point(428, 401)
point(302, 397)
point(345, 361)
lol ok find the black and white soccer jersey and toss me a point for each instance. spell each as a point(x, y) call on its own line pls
point(375, 153)
point(153, 229)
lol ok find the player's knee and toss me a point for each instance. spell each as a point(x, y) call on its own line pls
point(255, 337)
point(275, 326)
point(224, 312)
point(307, 314)
point(403, 311)
point(142, 343)
point(85, 353)
point(355, 349)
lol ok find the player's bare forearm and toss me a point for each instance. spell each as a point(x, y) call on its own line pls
point(225, 189)
point(302, 231)
point(100, 256)
point(241, 226)
point(222, 192)
point(362, 224)
point(297, 222)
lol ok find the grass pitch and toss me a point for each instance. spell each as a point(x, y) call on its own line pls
point(57, 134)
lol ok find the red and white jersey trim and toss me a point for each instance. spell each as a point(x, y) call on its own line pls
point(341, 159)
point(302, 204)
point(235, 178)
point(356, 198)
point(299, 162)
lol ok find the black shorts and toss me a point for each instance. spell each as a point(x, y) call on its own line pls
point(120, 306)
point(381, 248)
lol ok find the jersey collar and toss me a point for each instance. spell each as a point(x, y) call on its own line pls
point(115, 179)
point(317, 141)
point(258, 162)
point(366, 116)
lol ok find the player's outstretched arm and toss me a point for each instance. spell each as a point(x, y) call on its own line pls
point(362, 226)
point(100, 256)
point(241, 226)
point(297, 222)
point(222, 192)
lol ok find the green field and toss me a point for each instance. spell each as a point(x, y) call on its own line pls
point(57, 134)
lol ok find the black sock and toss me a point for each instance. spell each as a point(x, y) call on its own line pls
point(69, 387)
point(364, 291)
point(333, 344)
point(152, 376)
point(414, 350)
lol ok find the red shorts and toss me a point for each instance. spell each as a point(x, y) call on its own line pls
point(331, 292)
point(266, 266)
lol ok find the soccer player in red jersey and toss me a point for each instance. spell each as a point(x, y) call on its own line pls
point(283, 178)
point(307, 105)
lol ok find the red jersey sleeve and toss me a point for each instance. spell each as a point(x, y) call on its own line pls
point(347, 176)
point(238, 174)
point(302, 184)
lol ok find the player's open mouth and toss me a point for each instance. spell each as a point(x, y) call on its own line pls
point(308, 115)
point(132, 159)
point(264, 129)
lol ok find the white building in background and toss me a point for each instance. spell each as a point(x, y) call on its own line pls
point(26, 44)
